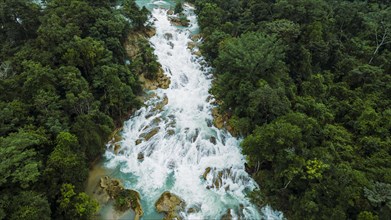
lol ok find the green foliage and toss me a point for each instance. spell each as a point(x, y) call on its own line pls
point(66, 157)
point(307, 83)
point(19, 160)
point(132, 12)
point(64, 86)
point(76, 205)
point(126, 199)
point(30, 205)
point(178, 7)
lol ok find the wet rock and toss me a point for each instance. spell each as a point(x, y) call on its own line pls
point(138, 141)
point(170, 12)
point(217, 177)
point(197, 53)
point(209, 122)
point(117, 147)
point(170, 132)
point(170, 204)
point(150, 32)
point(115, 136)
point(227, 216)
point(161, 104)
point(194, 208)
point(196, 37)
point(150, 134)
point(140, 156)
point(108, 188)
point(171, 44)
point(207, 171)
point(156, 121)
point(162, 81)
point(129, 199)
point(177, 21)
point(213, 140)
point(191, 45)
point(168, 36)
point(218, 118)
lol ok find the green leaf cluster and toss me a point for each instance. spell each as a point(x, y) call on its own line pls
point(307, 85)
point(65, 83)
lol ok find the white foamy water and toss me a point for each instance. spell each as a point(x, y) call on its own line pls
point(185, 143)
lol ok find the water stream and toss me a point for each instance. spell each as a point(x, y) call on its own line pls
point(172, 147)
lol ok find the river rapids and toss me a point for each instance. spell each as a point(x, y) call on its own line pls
point(175, 147)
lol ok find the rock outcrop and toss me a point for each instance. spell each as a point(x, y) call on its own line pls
point(109, 189)
point(220, 121)
point(162, 81)
point(227, 216)
point(171, 205)
point(217, 177)
point(179, 21)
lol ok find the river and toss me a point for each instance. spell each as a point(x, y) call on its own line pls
point(175, 147)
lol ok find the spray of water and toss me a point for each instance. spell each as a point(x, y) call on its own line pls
point(175, 147)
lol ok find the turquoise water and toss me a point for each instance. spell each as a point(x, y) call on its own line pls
point(179, 152)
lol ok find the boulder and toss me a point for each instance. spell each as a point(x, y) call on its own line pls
point(227, 216)
point(140, 156)
point(217, 177)
point(207, 171)
point(150, 134)
point(161, 104)
point(179, 22)
point(129, 199)
point(213, 140)
point(197, 53)
point(117, 147)
point(196, 37)
point(150, 32)
point(170, 132)
point(218, 118)
point(191, 45)
point(170, 204)
point(168, 36)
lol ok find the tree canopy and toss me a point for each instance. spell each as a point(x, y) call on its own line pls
point(307, 85)
point(65, 83)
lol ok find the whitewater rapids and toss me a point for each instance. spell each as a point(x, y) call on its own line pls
point(178, 142)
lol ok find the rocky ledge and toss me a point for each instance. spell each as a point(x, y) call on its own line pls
point(171, 205)
point(109, 189)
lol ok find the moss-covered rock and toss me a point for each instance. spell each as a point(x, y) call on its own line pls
point(150, 134)
point(171, 205)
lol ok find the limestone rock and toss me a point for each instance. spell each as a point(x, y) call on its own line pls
point(207, 171)
point(196, 37)
point(150, 32)
point(179, 22)
point(227, 216)
point(197, 53)
point(191, 45)
point(170, 204)
point(117, 147)
point(213, 140)
point(218, 118)
point(168, 36)
point(150, 134)
point(140, 156)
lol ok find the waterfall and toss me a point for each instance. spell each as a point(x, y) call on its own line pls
point(175, 147)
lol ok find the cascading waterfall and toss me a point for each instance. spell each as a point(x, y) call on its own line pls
point(175, 147)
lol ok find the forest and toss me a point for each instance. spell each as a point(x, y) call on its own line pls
point(65, 84)
point(307, 84)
